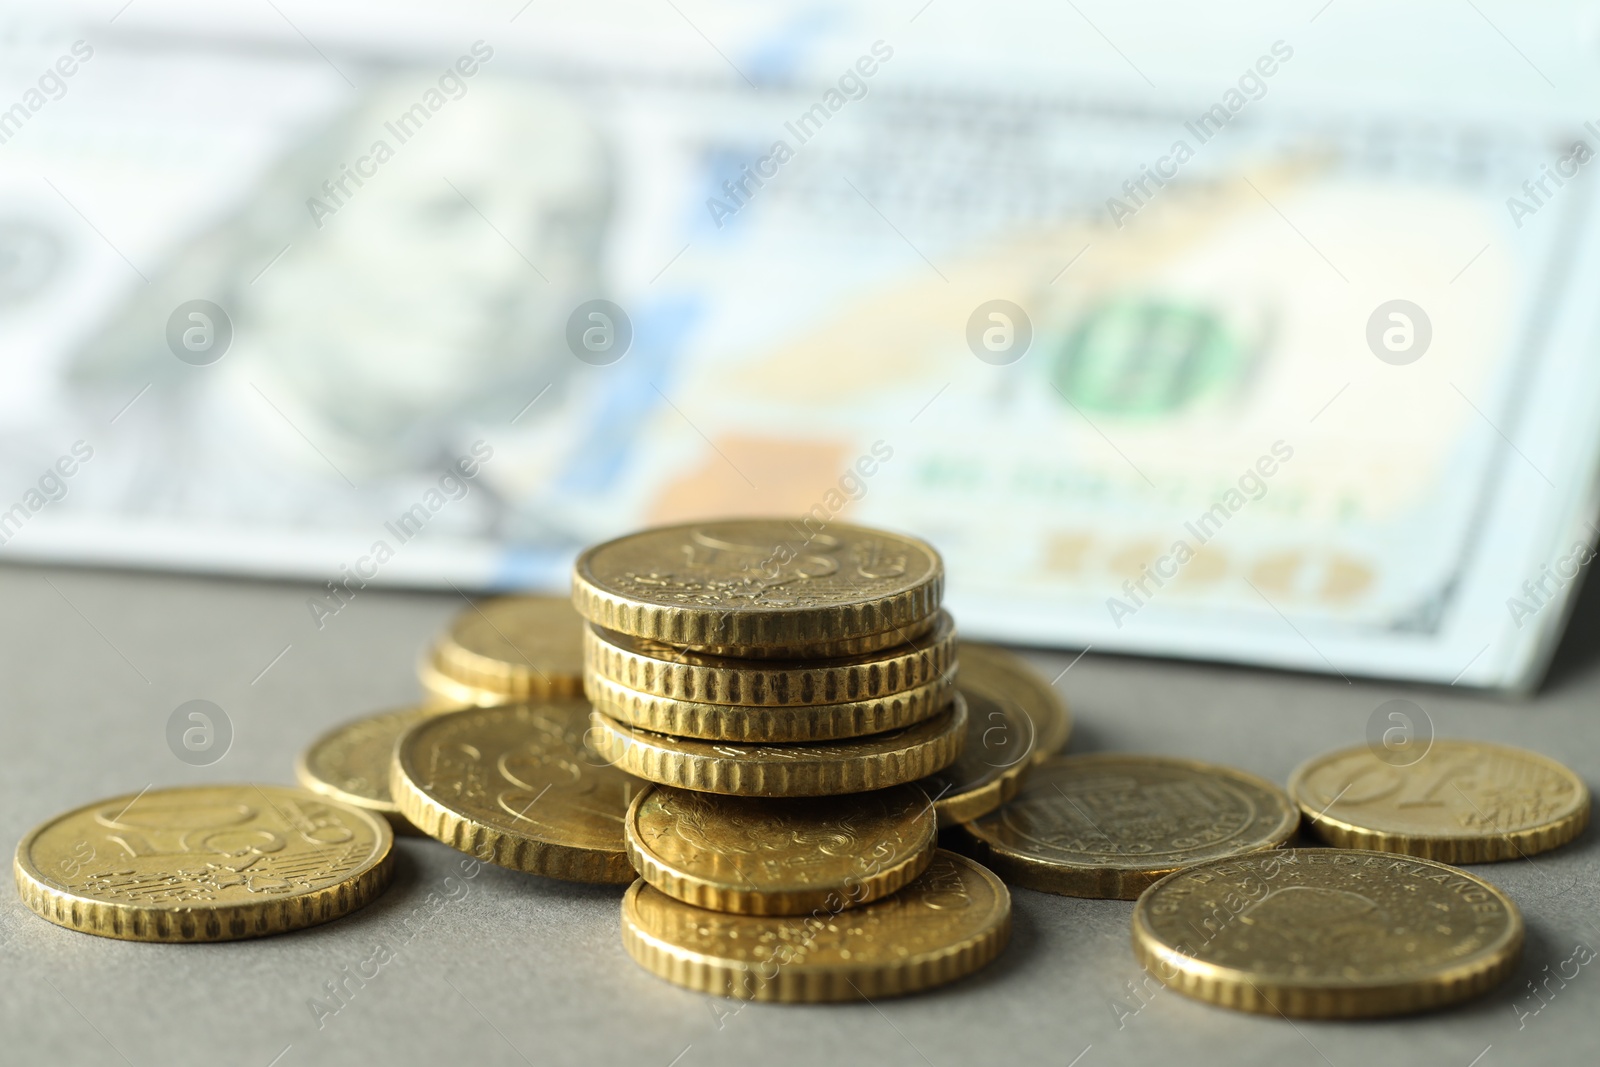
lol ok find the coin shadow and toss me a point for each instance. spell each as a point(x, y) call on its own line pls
point(1305, 837)
point(1542, 948)
point(419, 888)
point(1573, 860)
point(507, 883)
point(380, 911)
point(415, 879)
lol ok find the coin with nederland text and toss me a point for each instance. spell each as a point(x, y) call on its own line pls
point(1108, 825)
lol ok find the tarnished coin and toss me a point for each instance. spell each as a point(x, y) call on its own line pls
point(518, 786)
point(204, 863)
point(1011, 713)
point(666, 671)
point(948, 923)
point(780, 855)
point(1462, 802)
point(1108, 825)
point(751, 584)
point(797, 770)
point(350, 763)
point(769, 723)
point(1319, 933)
point(514, 647)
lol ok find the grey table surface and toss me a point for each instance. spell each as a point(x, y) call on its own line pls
point(504, 968)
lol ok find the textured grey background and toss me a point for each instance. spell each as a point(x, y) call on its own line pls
point(507, 968)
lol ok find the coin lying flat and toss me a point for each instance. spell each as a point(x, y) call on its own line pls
point(666, 671)
point(758, 583)
point(1010, 679)
point(517, 647)
point(948, 923)
point(1011, 712)
point(1327, 933)
point(350, 763)
point(1462, 802)
point(204, 863)
point(517, 786)
point(780, 855)
point(1108, 825)
point(798, 770)
point(768, 723)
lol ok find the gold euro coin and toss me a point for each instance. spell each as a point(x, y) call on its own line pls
point(508, 648)
point(204, 863)
point(1321, 933)
point(833, 649)
point(1012, 679)
point(854, 765)
point(952, 920)
point(753, 584)
point(1011, 713)
point(518, 786)
point(769, 723)
point(780, 855)
point(1461, 802)
point(1108, 825)
point(350, 763)
point(441, 693)
point(662, 670)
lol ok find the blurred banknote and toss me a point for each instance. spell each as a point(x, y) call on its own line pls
point(1304, 390)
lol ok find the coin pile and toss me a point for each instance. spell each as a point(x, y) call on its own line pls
point(783, 689)
point(774, 734)
point(737, 658)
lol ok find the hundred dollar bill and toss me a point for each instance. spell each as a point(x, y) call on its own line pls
point(1211, 378)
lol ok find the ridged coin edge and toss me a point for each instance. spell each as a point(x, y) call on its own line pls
point(768, 723)
point(734, 777)
point(229, 922)
point(795, 984)
point(1225, 986)
point(756, 683)
point(695, 890)
point(501, 847)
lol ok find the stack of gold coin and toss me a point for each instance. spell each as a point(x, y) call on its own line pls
point(756, 658)
point(787, 690)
